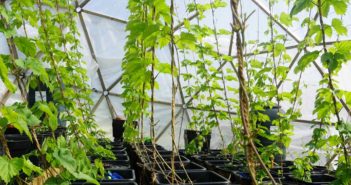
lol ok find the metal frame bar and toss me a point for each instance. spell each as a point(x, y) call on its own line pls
point(97, 103)
point(104, 16)
point(156, 101)
point(168, 125)
point(287, 48)
point(102, 83)
point(267, 12)
point(114, 83)
point(296, 38)
point(184, 104)
point(296, 56)
point(85, 2)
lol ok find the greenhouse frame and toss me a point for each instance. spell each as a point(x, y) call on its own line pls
point(175, 92)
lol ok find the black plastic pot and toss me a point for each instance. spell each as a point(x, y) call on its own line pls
point(197, 178)
point(272, 113)
point(211, 157)
point(116, 164)
point(106, 142)
point(119, 152)
point(287, 170)
point(33, 94)
point(60, 131)
point(179, 167)
point(103, 183)
point(151, 147)
point(19, 144)
point(127, 175)
point(317, 179)
point(190, 135)
point(120, 148)
point(161, 152)
point(167, 158)
point(118, 157)
point(211, 164)
point(118, 129)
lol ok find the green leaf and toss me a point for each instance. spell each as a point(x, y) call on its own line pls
point(29, 168)
point(56, 181)
point(299, 5)
point(65, 158)
point(340, 6)
point(10, 168)
point(53, 122)
point(86, 177)
point(26, 46)
point(339, 27)
point(305, 60)
point(186, 40)
point(17, 119)
point(328, 30)
point(3, 123)
point(285, 19)
point(4, 76)
point(165, 68)
point(331, 61)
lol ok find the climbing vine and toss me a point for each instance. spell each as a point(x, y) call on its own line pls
point(330, 98)
point(49, 56)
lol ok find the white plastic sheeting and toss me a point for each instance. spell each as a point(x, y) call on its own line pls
point(106, 33)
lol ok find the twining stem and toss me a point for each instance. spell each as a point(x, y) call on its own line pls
point(152, 120)
point(172, 43)
point(244, 99)
point(5, 147)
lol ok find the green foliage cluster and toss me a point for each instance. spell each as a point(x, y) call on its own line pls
point(149, 28)
point(330, 98)
point(50, 55)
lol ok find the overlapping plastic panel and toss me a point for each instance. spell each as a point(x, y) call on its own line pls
point(105, 25)
point(108, 37)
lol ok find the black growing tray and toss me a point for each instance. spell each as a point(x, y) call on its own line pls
point(197, 178)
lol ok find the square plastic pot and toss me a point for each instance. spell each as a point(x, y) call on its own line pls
point(105, 183)
point(196, 177)
point(167, 158)
point(119, 152)
point(116, 164)
point(190, 135)
point(317, 179)
point(19, 144)
point(127, 174)
point(118, 158)
point(179, 167)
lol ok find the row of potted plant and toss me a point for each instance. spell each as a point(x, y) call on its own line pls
point(260, 82)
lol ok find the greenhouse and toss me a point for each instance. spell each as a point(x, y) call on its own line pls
point(160, 92)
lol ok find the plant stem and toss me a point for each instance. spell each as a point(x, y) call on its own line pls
point(173, 91)
point(244, 100)
point(330, 81)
